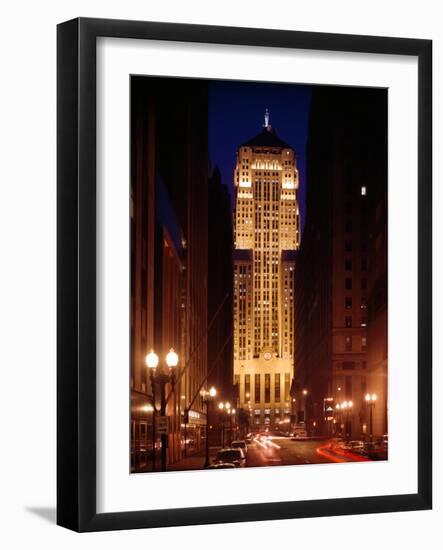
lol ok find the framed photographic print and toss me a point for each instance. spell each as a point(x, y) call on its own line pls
point(244, 274)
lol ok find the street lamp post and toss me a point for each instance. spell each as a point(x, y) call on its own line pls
point(224, 407)
point(370, 400)
point(346, 406)
point(231, 416)
point(221, 406)
point(339, 418)
point(207, 396)
point(161, 376)
point(228, 413)
point(305, 408)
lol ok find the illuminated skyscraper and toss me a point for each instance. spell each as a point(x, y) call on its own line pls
point(267, 234)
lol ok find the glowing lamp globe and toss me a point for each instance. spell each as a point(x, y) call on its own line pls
point(172, 358)
point(152, 359)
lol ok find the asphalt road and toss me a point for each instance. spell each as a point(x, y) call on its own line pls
point(282, 451)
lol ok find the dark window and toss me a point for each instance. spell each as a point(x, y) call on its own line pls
point(348, 283)
point(364, 284)
point(257, 388)
point(348, 246)
point(348, 265)
point(247, 386)
point(287, 385)
point(348, 226)
point(364, 264)
point(267, 388)
point(277, 387)
point(348, 365)
point(348, 322)
point(348, 302)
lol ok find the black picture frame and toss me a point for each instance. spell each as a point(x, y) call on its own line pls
point(76, 274)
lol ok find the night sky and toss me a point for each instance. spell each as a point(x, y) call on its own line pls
point(236, 114)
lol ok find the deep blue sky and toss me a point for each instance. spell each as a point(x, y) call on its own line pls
point(236, 114)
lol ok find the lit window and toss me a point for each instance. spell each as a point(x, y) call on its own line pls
point(363, 343)
point(363, 190)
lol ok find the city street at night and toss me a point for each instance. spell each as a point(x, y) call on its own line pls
point(283, 451)
point(258, 275)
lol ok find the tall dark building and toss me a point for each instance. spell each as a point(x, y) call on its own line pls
point(346, 171)
point(169, 259)
point(377, 348)
point(220, 276)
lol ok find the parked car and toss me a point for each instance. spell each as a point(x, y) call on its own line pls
point(357, 446)
point(233, 456)
point(240, 444)
point(378, 449)
point(249, 438)
point(382, 441)
point(299, 434)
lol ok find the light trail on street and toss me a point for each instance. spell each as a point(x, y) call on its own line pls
point(283, 451)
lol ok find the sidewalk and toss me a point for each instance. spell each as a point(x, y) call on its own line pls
point(193, 462)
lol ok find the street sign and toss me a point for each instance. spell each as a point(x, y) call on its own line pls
point(163, 425)
point(328, 408)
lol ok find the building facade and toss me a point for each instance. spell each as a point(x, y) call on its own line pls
point(220, 300)
point(220, 297)
point(169, 260)
point(335, 266)
point(377, 347)
point(266, 236)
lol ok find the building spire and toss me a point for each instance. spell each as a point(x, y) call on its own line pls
point(266, 124)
